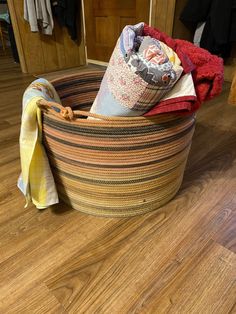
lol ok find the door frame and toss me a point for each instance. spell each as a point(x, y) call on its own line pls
point(152, 21)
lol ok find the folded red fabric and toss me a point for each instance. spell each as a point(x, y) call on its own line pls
point(207, 72)
point(179, 105)
point(208, 75)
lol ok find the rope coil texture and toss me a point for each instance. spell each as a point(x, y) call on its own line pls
point(114, 166)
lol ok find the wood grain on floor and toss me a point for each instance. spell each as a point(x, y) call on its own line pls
point(178, 259)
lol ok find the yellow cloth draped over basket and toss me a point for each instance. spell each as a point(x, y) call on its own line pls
point(36, 181)
point(112, 166)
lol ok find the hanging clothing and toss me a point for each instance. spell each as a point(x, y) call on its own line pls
point(198, 34)
point(66, 13)
point(39, 15)
point(219, 31)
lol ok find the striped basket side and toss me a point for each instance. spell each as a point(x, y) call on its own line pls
point(118, 167)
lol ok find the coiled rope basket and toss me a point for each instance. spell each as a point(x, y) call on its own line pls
point(112, 166)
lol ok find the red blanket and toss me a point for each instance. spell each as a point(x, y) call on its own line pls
point(207, 69)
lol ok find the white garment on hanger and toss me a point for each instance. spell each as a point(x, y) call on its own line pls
point(39, 13)
point(198, 34)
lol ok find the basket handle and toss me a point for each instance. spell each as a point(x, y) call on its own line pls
point(66, 113)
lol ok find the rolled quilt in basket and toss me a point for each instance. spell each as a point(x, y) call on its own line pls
point(141, 71)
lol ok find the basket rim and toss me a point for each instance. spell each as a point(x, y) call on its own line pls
point(56, 110)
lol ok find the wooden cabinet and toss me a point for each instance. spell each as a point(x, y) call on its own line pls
point(40, 53)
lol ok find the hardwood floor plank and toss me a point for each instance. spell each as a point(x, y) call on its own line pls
point(156, 248)
point(38, 299)
point(39, 247)
point(178, 259)
point(227, 235)
point(207, 286)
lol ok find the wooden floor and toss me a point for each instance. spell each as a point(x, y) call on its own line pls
point(179, 259)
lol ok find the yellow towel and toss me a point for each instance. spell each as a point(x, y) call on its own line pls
point(36, 180)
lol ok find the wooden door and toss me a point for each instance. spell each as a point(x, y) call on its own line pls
point(104, 21)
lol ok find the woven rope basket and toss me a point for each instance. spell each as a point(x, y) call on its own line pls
point(112, 166)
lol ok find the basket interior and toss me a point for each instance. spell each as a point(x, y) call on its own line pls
point(79, 91)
